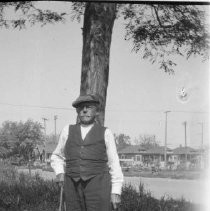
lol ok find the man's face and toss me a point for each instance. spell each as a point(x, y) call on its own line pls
point(87, 113)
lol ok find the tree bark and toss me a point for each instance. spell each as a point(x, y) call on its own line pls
point(97, 32)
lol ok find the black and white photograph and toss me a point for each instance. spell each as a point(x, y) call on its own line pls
point(104, 105)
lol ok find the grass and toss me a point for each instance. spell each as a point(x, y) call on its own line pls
point(173, 174)
point(20, 192)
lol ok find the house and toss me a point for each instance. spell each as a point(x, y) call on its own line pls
point(140, 155)
point(157, 154)
point(40, 152)
point(187, 154)
point(135, 154)
point(49, 148)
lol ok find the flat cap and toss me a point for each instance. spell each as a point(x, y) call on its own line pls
point(85, 98)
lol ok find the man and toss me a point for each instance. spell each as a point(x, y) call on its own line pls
point(86, 160)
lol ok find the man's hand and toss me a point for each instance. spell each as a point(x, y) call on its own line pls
point(60, 179)
point(115, 199)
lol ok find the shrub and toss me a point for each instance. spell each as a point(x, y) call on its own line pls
point(8, 173)
point(142, 200)
point(27, 193)
point(20, 191)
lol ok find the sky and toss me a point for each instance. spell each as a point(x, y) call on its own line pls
point(40, 78)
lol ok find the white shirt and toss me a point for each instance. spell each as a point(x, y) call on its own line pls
point(58, 159)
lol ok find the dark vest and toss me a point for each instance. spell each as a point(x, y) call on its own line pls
point(85, 158)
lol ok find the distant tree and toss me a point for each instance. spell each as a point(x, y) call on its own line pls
point(20, 138)
point(122, 140)
point(158, 32)
point(52, 138)
point(147, 141)
point(4, 152)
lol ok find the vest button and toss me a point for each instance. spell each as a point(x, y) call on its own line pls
point(82, 147)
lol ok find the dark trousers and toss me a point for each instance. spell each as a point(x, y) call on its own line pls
point(91, 195)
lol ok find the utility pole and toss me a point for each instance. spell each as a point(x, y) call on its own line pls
point(201, 123)
point(45, 127)
point(185, 139)
point(165, 149)
point(55, 118)
point(202, 149)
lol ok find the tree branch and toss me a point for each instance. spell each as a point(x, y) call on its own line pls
point(157, 16)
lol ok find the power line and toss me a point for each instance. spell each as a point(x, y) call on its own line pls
point(37, 106)
point(115, 110)
point(200, 112)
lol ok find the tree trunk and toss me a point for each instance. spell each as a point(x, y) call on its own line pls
point(97, 32)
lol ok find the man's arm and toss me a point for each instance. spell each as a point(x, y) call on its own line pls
point(58, 159)
point(115, 168)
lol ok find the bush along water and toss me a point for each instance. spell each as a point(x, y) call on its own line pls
point(25, 193)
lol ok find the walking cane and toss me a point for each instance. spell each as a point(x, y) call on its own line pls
point(61, 204)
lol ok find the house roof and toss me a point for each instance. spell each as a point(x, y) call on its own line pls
point(50, 147)
point(158, 150)
point(132, 149)
point(184, 150)
point(119, 147)
point(136, 149)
